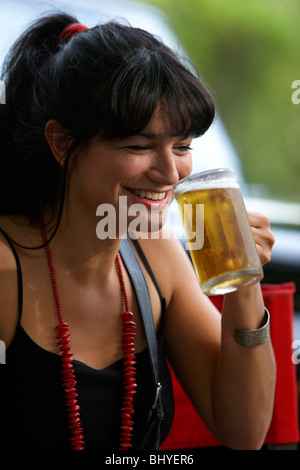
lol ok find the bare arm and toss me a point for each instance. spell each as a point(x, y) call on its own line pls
point(8, 293)
point(231, 386)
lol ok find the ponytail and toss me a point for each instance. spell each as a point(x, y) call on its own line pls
point(30, 177)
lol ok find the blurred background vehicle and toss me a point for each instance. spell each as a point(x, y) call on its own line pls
point(213, 150)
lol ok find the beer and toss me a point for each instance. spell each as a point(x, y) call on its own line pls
point(226, 259)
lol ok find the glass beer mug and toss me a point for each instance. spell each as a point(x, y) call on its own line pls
point(218, 232)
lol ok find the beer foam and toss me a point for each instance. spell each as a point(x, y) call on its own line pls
point(221, 178)
point(199, 185)
point(204, 185)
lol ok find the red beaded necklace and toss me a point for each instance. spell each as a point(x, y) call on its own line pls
point(68, 376)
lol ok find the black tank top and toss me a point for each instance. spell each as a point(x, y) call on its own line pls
point(32, 406)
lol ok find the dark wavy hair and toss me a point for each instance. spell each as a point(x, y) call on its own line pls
point(104, 82)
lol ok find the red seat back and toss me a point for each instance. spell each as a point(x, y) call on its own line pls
point(189, 431)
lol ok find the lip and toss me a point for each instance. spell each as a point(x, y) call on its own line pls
point(151, 203)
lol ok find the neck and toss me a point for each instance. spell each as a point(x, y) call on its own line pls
point(78, 248)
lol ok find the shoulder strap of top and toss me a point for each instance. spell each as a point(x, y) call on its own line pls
point(147, 266)
point(19, 274)
point(137, 277)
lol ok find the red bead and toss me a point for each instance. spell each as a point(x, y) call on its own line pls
point(127, 316)
point(129, 324)
point(129, 334)
point(126, 437)
point(128, 344)
point(67, 366)
point(128, 329)
point(125, 445)
point(129, 379)
point(62, 327)
point(127, 422)
point(76, 438)
point(128, 400)
point(72, 402)
point(129, 362)
point(126, 428)
point(127, 409)
point(64, 341)
point(74, 407)
point(129, 357)
point(71, 393)
point(67, 357)
point(128, 373)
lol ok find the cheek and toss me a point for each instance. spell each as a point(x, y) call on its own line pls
point(95, 183)
point(184, 167)
point(87, 184)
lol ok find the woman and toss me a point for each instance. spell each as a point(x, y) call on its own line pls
point(93, 115)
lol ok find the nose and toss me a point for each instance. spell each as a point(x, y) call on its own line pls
point(165, 168)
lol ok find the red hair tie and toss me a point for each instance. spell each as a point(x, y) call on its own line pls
point(70, 31)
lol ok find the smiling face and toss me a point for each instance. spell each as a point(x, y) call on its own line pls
point(142, 167)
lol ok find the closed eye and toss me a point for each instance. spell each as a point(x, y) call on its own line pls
point(183, 148)
point(137, 147)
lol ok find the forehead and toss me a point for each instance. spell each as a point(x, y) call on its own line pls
point(159, 125)
point(159, 122)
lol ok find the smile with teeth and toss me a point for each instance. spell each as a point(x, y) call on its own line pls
point(155, 196)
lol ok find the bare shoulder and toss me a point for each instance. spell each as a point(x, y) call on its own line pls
point(8, 291)
point(168, 260)
point(7, 259)
point(163, 249)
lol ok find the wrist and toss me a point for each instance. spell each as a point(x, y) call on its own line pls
point(253, 338)
point(244, 309)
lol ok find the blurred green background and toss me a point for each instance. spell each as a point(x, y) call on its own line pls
point(247, 53)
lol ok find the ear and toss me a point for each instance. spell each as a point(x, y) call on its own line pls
point(58, 139)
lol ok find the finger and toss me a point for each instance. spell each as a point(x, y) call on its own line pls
point(264, 254)
point(264, 240)
point(258, 220)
